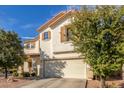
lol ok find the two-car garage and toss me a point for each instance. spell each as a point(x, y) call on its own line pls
point(68, 68)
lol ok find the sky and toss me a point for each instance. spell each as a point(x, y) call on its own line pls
point(25, 20)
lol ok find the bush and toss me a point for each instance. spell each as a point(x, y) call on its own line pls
point(26, 74)
point(33, 74)
point(14, 70)
point(15, 74)
point(1, 70)
point(11, 72)
point(113, 85)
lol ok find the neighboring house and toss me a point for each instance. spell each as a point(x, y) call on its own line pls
point(57, 52)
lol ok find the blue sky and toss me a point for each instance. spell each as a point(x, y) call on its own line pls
point(26, 19)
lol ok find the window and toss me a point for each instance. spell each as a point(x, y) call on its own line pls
point(68, 34)
point(32, 46)
point(27, 46)
point(45, 35)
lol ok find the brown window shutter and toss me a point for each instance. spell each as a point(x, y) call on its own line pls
point(38, 37)
point(42, 36)
point(49, 34)
point(39, 44)
point(62, 34)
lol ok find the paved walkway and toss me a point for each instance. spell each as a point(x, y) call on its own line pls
point(56, 83)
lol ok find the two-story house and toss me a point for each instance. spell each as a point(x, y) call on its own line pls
point(56, 49)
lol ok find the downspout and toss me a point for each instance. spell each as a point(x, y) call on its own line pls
point(42, 60)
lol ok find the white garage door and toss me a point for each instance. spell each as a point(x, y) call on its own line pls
point(65, 69)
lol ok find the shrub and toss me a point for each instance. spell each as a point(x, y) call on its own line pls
point(11, 72)
point(1, 70)
point(15, 74)
point(14, 70)
point(33, 74)
point(26, 74)
point(113, 85)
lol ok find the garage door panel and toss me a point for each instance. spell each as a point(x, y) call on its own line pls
point(54, 68)
point(66, 69)
point(74, 69)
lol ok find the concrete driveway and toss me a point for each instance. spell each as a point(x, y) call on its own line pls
point(56, 83)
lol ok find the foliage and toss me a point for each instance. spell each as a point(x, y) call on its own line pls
point(26, 74)
point(113, 85)
point(99, 36)
point(15, 74)
point(33, 74)
point(11, 50)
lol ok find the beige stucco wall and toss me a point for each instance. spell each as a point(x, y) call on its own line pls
point(56, 39)
point(89, 73)
point(55, 44)
point(67, 55)
point(34, 50)
point(26, 67)
point(46, 45)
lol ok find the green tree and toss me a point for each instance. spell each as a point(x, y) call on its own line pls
point(11, 50)
point(99, 36)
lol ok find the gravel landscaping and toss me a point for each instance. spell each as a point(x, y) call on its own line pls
point(110, 83)
point(5, 83)
point(16, 83)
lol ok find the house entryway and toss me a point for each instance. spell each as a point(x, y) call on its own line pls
point(31, 63)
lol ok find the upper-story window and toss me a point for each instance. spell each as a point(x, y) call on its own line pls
point(29, 46)
point(32, 46)
point(66, 33)
point(46, 35)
